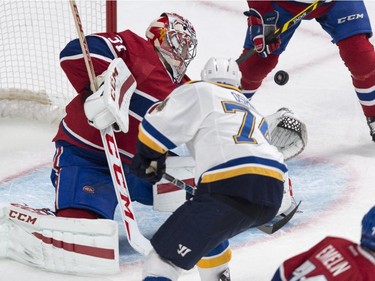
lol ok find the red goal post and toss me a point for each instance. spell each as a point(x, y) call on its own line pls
point(33, 33)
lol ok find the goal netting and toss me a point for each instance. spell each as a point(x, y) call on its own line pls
point(33, 33)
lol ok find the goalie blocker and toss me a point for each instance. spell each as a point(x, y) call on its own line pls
point(73, 246)
point(109, 105)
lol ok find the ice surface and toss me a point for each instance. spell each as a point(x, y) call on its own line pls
point(333, 177)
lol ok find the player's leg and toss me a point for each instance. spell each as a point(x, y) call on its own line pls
point(216, 262)
point(349, 26)
point(359, 56)
point(255, 69)
point(196, 228)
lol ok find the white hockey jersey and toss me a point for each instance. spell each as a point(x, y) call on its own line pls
point(226, 136)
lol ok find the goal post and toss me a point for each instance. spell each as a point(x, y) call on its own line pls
point(33, 33)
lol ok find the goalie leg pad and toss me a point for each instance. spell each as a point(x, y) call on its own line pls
point(168, 197)
point(287, 196)
point(65, 245)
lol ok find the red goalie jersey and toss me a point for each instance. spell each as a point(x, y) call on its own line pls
point(154, 83)
point(332, 259)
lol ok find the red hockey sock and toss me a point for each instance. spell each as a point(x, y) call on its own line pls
point(76, 213)
point(255, 69)
point(359, 56)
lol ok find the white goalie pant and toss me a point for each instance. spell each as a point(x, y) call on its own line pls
point(168, 197)
point(65, 245)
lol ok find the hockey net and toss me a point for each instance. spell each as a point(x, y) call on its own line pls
point(32, 84)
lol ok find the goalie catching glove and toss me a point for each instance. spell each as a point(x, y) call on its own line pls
point(287, 132)
point(109, 105)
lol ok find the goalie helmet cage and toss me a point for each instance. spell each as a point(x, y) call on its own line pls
point(33, 33)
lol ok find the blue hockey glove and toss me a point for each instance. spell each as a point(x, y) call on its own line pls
point(261, 26)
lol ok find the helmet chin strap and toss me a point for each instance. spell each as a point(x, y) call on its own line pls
point(166, 65)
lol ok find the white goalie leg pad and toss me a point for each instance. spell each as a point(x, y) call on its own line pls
point(287, 132)
point(65, 245)
point(287, 196)
point(168, 197)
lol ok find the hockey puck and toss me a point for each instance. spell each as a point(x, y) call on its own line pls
point(281, 77)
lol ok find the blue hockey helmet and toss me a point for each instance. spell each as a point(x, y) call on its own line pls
point(368, 230)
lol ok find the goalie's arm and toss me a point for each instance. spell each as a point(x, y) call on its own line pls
point(103, 48)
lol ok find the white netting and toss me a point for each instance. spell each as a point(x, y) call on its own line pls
point(32, 34)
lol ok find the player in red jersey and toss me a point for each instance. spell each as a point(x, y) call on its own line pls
point(335, 258)
point(347, 22)
point(80, 171)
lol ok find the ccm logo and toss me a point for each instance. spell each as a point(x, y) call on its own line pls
point(350, 18)
point(113, 84)
point(22, 217)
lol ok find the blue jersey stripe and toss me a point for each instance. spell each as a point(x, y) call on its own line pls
point(97, 46)
point(140, 104)
point(251, 159)
point(157, 135)
point(370, 96)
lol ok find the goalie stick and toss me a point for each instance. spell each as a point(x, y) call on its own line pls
point(293, 21)
point(269, 228)
point(135, 237)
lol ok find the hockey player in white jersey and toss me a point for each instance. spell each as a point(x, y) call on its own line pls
point(239, 174)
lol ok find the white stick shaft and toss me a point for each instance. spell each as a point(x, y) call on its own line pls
point(135, 237)
point(83, 43)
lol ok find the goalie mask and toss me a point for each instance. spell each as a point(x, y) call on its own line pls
point(222, 70)
point(175, 39)
point(368, 230)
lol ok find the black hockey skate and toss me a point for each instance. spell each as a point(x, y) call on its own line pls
point(371, 124)
point(225, 276)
